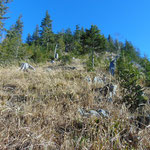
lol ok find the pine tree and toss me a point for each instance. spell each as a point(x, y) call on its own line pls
point(111, 46)
point(36, 36)
point(93, 41)
point(145, 63)
point(47, 36)
point(3, 12)
point(68, 38)
point(60, 42)
point(128, 76)
point(131, 52)
point(77, 47)
point(29, 39)
point(77, 34)
point(13, 41)
point(19, 26)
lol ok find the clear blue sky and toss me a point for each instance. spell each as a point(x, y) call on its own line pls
point(123, 19)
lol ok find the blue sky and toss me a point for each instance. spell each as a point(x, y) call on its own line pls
point(123, 19)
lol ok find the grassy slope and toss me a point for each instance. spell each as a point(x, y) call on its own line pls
point(39, 110)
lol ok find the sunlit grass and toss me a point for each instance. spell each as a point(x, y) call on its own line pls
point(39, 110)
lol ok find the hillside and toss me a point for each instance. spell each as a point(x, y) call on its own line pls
point(65, 107)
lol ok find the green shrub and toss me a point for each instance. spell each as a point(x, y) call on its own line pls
point(66, 59)
point(128, 78)
point(90, 65)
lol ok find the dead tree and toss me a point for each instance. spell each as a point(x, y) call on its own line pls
point(26, 66)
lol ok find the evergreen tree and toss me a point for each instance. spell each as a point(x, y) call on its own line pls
point(145, 63)
point(82, 31)
point(19, 26)
point(128, 76)
point(47, 36)
point(77, 34)
point(13, 41)
point(36, 36)
point(117, 45)
point(3, 11)
point(68, 39)
point(93, 41)
point(131, 52)
point(111, 46)
point(60, 42)
point(29, 39)
point(77, 47)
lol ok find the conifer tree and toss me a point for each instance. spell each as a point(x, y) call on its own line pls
point(111, 46)
point(77, 47)
point(145, 63)
point(93, 41)
point(47, 36)
point(128, 76)
point(3, 12)
point(29, 39)
point(77, 34)
point(68, 38)
point(13, 41)
point(36, 36)
point(131, 52)
point(60, 42)
point(19, 26)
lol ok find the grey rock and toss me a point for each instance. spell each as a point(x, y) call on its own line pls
point(83, 112)
point(103, 112)
point(109, 99)
point(98, 80)
point(113, 89)
point(88, 79)
point(94, 113)
point(112, 65)
point(52, 61)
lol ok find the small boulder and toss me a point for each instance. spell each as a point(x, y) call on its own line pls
point(88, 79)
point(98, 80)
point(94, 113)
point(83, 112)
point(103, 112)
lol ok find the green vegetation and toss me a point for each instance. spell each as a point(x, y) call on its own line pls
point(128, 78)
point(3, 12)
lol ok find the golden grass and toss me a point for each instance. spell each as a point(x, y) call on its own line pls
point(39, 110)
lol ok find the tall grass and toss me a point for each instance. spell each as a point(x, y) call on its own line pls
point(39, 110)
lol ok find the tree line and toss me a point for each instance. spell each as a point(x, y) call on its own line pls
point(40, 45)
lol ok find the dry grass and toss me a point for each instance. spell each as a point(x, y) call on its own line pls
point(39, 110)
